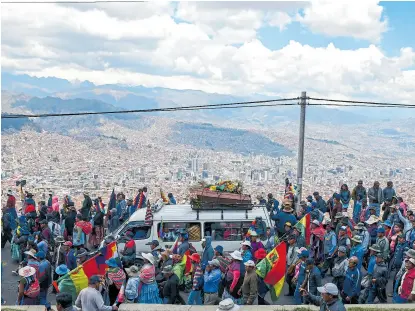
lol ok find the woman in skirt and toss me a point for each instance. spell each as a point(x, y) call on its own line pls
point(149, 292)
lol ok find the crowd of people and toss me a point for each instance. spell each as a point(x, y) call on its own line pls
point(359, 241)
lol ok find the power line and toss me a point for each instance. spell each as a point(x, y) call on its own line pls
point(259, 103)
point(362, 105)
point(72, 2)
point(357, 102)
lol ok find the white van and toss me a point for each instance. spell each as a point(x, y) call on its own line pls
point(227, 227)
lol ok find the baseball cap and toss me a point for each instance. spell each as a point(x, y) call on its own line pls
point(94, 279)
point(154, 242)
point(343, 228)
point(329, 288)
point(342, 249)
point(250, 263)
point(381, 230)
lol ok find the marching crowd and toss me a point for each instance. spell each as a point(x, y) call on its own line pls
point(358, 241)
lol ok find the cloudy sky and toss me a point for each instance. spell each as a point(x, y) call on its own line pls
point(342, 49)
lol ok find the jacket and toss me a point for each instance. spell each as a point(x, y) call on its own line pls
point(345, 196)
point(380, 273)
point(292, 255)
point(359, 252)
point(407, 225)
point(314, 280)
point(86, 207)
point(45, 274)
point(399, 253)
point(383, 243)
point(335, 305)
point(171, 289)
point(372, 197)
point(70, 259)
point(131, 289)
point(281, 218)
point(208, 253)
point(388, 194)
point(270, 241)
point(330, 243)
point(250, 287)
point(351, 285)
point(340, 266)
point(183, 247)
point(212, 280)
point(407, 284)
point(359, 191)
point(321, 205)
point(247, 255)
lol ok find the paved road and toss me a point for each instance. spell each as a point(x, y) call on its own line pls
point(9, 283)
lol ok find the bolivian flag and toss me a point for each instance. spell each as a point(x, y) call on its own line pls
point(77, 279)
point(304, 226)
point(272, 269)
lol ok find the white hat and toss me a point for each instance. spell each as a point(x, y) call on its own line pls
point(412, 260)
point(9, 192)
point(253, 233)
point(214, 262)
point(149, 257)
point(27, 271)
point(247, 243)
point(237, 255)
point(316, 222)
point(372, 219)
point(329, 288)
point(31, 253)
point(250, 263)
point(227, 305)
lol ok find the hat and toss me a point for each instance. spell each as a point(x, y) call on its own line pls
point(357, 239)
point(247, 243)
point(372, 219)
point(287, 206)
point(381, 230)
point(310, 197)
point(130, 199)
point(27, 271)
point(315, 193)
point(412, 260)
point(132, 271)
point(329, 288)
point(68, 243)
point(316, 222)
point(338, 215)
point(342, 249)
point(81, 253)
point(288, 224)
point(61, 270)
point(303, 254)
point(130, 235)
point(40, 255)
point(343, 228)
point(360, 226)
point(401, 235)
point(219, 249)
point(111, 263)
point(387, 223)
point(9, 192)
point(227, 305)
point(86, 193)
point(167, 269)
point(292, 237)
point(410, 253)
point(372, 208)
point(301, 249)
point(149, 257)
point(260, 254)
point(59, 239)
point(379, 255)
point(214, 262)
point(236, 255)
point(375, 248)
point(250, 263)
point(95, 279)
point(195, 257)
point(253, 233)
point(154, 242)
point(345, 221)
point(31, 253)
point(43, 222)
point(113, 210)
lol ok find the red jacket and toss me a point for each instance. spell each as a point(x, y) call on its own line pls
point(407, 284)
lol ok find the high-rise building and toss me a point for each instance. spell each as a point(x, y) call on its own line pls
point(195, 165)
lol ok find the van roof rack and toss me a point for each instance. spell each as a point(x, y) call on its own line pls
point(211, 206)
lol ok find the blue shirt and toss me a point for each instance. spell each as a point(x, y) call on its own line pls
point(359, 252)
point(351, 286)
point(246, 255)
point(212, 280)
point(371, 265)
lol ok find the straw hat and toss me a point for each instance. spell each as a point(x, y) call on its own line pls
point(247, 243)
point(149, 257)
point(236, 255)
point(27, 271)
point(372, 219)
point(31, 253)
point(227, 305)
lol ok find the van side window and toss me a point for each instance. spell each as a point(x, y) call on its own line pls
point(169, 230)
point(227, 231)
point(140, 230)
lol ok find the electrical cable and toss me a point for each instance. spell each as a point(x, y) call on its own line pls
point(357, 102)
point(72, 2)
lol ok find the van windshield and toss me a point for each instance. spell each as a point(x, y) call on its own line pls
point(140, 230)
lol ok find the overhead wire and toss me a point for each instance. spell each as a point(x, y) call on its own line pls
point(247, 104)
point(357, 102)
point(72, 2)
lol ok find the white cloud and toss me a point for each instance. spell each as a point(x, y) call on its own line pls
point(358, 19)
point(214, 48)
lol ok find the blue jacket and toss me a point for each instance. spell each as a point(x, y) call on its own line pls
point(70, 260)
point(172, 201)
point(207, 253)
point(399, 252)
point(351, 285)
point(371, 265)
point(388, 194)
point(359, 252)
point(183, 248)
point(345, 196)
point(321, 205)
point(247, 255)
point(301, 275)
point(212, 280)
point(121, 206)
point(281, 218)
point(330, 243)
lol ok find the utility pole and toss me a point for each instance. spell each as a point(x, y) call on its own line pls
point(301, 151)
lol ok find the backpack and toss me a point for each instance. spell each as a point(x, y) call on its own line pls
point(87, 228)
point(33, 290)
